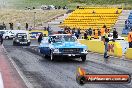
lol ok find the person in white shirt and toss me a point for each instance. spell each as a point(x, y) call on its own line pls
point(19, 25)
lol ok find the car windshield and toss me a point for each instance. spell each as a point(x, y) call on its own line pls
point(22, 36)
point(69, 39)
point(61, 38)
point(56, 39)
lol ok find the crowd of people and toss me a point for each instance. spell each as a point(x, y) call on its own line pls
point(103, 32)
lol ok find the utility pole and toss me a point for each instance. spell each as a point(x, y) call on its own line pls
point(34, 19)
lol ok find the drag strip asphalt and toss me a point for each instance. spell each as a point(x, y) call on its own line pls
point(43, 73)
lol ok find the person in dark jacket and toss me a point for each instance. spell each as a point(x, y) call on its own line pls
point(1, 38)
point(40, 38)
point(26, 26)
point(115, 34)
point(85, 35)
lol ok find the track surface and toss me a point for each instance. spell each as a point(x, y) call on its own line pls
point(42, 73)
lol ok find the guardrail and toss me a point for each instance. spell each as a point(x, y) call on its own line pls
point(114, 48)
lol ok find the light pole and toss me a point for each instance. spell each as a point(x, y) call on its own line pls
point(34, 19)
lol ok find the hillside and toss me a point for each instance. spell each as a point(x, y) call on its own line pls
point(70, 3)
point(23, 16)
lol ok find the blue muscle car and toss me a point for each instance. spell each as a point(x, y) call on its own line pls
point(62, 45)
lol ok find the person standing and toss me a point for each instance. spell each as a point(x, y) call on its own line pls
point(1, 38)
point(11, 26)
point(90, 32)
point(85, 35)
point(26, 26)
point(19, 25)
point(115, 34)
point(40, 38)
point(106, 40)
point(4, 26)
point(130, 38)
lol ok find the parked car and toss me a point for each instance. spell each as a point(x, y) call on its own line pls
point(62, 45)
point(7, 34)
point(21, 39)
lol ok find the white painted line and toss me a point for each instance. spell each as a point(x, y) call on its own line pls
point(27, 83)
point(1, 81)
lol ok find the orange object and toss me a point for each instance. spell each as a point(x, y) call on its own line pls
point(130, 37)
point(102, 31)
point(96, 34)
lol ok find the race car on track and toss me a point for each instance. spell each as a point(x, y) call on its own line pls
point(62, 45)
point(21, 39)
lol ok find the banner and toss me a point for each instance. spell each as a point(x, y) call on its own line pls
point(34, 34)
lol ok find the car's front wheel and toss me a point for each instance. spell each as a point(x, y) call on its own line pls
point(83, 58)
point(52, 57)
point(28, 44)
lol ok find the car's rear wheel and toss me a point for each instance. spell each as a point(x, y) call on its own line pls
point(83, 58)
point(7, 37)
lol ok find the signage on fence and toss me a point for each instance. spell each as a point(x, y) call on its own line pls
point(111, 48)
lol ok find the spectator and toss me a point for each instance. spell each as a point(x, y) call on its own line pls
point(79, 31)
point(64, 7)
point(104, 26)
point(90, 32)
point(55, 7)
point(117, 12)
point(115, 34)
point(48, 28)
point(26, 26)
point(102, 31)
point(73, 30)
point(85, 35)
point(99, 33)
point(59, 7)
point(29, 8)
point(30, 28)
point(130, 39)
point(40, 38)
point(93, 12)
point(11, 26)
point(33, 7)
point(1, 38)
point(78, 7)
point(18, 25)
point(4, 26)
point(77, 35)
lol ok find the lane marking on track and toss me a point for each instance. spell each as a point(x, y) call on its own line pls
point(27, 83)
point(1, 81)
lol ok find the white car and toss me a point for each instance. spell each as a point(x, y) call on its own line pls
point(7, 34)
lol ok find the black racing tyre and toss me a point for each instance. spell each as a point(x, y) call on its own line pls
point(83, 58)
point(7, 37)
point(52, 57)
point(28, 44)
point(46, 56)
